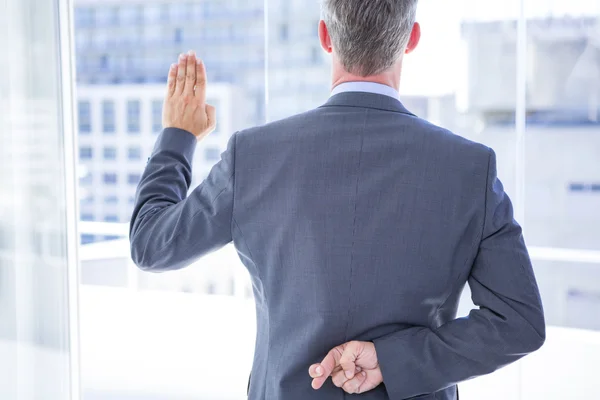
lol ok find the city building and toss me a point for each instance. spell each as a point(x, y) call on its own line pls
point(118, 125)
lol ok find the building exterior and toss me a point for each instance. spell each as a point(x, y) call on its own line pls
point(118, 125)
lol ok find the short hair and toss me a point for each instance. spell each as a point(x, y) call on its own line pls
point(369, 36)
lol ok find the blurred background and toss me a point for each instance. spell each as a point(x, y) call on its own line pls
point(81, 88)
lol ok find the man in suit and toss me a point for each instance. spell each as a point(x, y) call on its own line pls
point(359, 223)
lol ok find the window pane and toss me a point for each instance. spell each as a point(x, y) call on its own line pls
point(110, 178)
point(37, 222)
point(133, 116)
point(110, 153)
point(112, 60)
point(134, 153)
point(157, 106)
point(133, 179)
point(108, 116)
point(85, 153)
point(85, 117)
point(212, 154)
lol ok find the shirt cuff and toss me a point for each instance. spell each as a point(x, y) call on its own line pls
point(178, 141)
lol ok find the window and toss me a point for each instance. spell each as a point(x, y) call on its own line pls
point(87, 239)
point(86, 153)
point(111, 200)
point(108, 116)
point(107, 16)
point(87, 199)
point(110, 178)
point(86, 179)
point(178, 35)
point(133, 179)
point(157, 106)
point(577, 187)
point(85, 117)
point(130, 14)
point(87, 217)
point(212, 154)
point(134, 153)
point(110, 153)
point(111, 218)
point(284, 32)
point(596, 187)
point(133, 116)
point(151, 13)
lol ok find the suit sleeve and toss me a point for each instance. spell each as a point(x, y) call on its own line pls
point(169, 230)
point(507, 325)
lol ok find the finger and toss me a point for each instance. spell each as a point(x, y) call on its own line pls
point(180, 84)
point(338, 378)
point(315, 371)
point(211, 113)
point(201, 81)
point(328, 365)
point(351, 352)
point(190, 74)
point(354, 385)
point(171, 80)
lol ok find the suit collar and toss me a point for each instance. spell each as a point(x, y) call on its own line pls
point(367, 100)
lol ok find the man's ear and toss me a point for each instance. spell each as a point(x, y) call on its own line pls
point(324, 37)
point(415, 37)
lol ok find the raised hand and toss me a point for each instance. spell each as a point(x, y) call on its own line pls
point(185, 101)
point(353, 366)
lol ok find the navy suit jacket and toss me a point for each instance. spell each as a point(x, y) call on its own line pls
point(356, 221)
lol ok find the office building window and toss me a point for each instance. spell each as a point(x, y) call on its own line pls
point(178, 35)
point(212, 154)
point(577, 187)
point(111, 218)
point(596, 187)
point(86, 153)
point(85, 116)
point(87, 239)
point(86, 199)
point(109, 238)
point(110, 178)
point(107, 16)
point(157, 106)
point(111, 200)
point(110, 153)
point(130, 14)
point(108, 116)
point(133, 179)
point(87, 216)
point(284, 32)
point(86, 179)
point(133, 116)
point(134, 153)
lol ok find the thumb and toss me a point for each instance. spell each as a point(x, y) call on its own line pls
point(211, 113)
point(349, 356)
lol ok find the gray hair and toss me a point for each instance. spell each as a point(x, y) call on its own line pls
point(369, 36)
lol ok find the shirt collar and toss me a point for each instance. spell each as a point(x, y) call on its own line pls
point(367, 87)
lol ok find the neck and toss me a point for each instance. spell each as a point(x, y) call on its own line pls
point(390, 77)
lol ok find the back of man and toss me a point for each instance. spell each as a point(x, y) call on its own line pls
point(359, 224)
point(359, 220)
